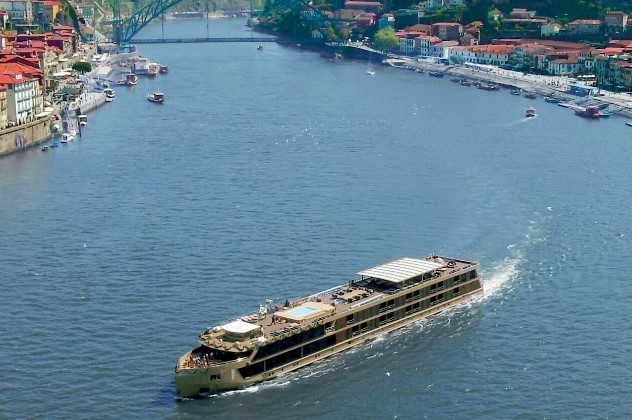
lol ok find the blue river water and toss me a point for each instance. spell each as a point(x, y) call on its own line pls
point(277, 173)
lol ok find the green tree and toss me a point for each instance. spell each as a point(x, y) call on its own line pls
point(385, 39)
point(82, 67)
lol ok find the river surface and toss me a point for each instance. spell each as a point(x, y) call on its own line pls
point(276, 173)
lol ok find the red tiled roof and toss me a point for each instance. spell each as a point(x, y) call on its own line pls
point(490, 49)
point(13, 79)
point(429, 38)
point(446, 44)
point(446, 24)
point(16, 68)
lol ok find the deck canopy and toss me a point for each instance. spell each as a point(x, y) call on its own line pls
point(401, 270)
point(240, 328)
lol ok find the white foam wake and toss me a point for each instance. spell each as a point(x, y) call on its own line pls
point(501, 275)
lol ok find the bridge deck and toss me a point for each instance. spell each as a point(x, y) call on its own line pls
point(198, 40)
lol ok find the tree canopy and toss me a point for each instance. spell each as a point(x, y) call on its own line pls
point(82, 67)
point(385, 39)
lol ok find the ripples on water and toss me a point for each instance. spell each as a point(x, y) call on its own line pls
point(276, 174)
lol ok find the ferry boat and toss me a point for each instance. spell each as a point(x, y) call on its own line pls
point(530, 113)
point(277, 340)
point(131, 79)
point(109, 94)
point(156, 97)
point(592, 112)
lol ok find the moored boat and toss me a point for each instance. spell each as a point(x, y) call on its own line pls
point(83, 120)
point(465, 82)
point(279, 339)
point(131, 79)
point(628, 123)
point(44, 148)
point(164, 69)
point(487, 86)
point(552, 100)
point(156, 97)
point(438, 74)
point(109, 94)
point(516, 92)
point(530, 95)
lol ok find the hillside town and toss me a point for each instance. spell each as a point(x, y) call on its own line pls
point(514, 38)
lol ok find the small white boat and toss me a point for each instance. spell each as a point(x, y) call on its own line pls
point(44, 148)
point(67, 138)
point(629, 124)
point(109, 93)
point(83, 120)
point(370, 72)
point(132, 79)
point(156, 97)
point(531, 112)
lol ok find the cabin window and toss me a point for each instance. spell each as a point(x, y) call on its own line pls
point(355, 328)
point(364, 326)
point(214, 377)
point(455, 290)
point(416, 305)
point(349, 319)
point(251, 370)
point(472, 274)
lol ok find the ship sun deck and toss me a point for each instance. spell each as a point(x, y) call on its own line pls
point(373, 285)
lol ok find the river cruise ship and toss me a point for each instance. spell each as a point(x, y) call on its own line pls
point(277, 340)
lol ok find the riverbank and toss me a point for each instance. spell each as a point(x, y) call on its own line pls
point(25, 136)
point(556, 86)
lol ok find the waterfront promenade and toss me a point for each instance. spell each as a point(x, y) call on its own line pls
point(543, 85)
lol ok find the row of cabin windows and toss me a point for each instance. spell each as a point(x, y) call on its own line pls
point(351, 318)
point(288, 342)
point(386, 318)
point(287, 357)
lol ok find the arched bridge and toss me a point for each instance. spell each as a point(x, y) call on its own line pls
point(125, 28)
